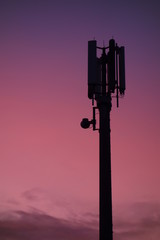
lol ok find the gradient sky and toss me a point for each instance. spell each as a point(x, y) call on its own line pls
point(48, 163)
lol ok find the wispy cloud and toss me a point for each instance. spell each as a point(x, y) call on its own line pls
point(41, 226)
point(59, 206)
point(141, 221)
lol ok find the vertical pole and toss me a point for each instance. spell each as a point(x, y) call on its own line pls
point(105, 201)
point(105, 171)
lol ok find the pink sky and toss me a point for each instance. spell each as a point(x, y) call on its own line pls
point(49, 165)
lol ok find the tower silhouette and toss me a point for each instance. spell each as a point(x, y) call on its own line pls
point(106, 78)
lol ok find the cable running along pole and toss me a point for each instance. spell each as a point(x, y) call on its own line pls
point(105, 76)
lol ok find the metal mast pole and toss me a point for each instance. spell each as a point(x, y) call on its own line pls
point(105, 194)
point(105, 201)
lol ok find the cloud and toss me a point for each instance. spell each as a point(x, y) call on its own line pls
point(40, 226)
point(139, 221)
point(57, 205)
point(34, 194)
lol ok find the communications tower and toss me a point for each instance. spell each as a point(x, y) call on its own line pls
point(106, 79)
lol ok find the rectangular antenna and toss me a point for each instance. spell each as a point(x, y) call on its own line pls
point(98, 87)
point(122, 85)
point(92, 68)
point(111, 65)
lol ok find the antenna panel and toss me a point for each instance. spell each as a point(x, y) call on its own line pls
point(122, 85)
point(92, 67)
point(111, 65)
point(98, 86)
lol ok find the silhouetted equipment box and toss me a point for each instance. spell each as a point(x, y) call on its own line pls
point(122, 85)
point(92, 67)
point(111, 65)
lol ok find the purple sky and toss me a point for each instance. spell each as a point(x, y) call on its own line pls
point(49, 165)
